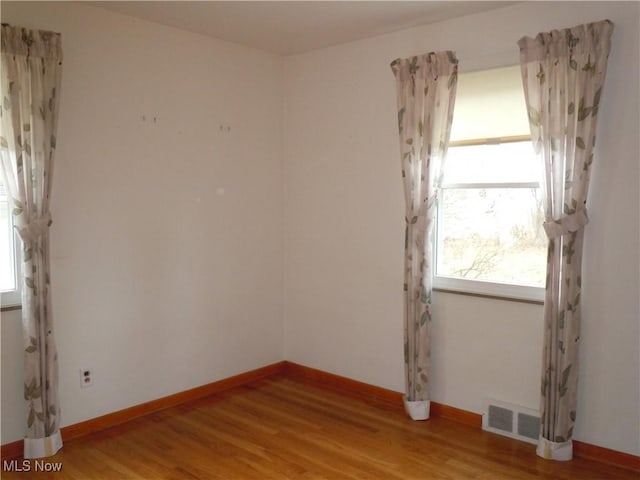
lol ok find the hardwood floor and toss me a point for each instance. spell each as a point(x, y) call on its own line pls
point(281, 428)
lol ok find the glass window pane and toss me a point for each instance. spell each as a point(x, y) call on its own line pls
point(503, 163)
point(7, 261)
point(493, 235)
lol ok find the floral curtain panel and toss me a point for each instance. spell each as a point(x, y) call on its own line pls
point(563, 73)
point(426, 88)
point(30, 87)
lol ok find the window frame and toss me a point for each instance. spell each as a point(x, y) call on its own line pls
point(483, 288)
point(10, 299)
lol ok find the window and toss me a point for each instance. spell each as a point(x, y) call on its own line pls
point(9, 265)
point(490, 238)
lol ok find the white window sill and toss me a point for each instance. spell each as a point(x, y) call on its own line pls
point(10, 300)
point(500, 291)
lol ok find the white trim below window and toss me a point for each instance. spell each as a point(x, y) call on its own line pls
point(490, 289)
point(11, 299)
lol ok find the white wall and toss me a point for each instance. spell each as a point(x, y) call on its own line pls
point(157, 307)
point(344, 228)
point(159, 284)
point(11, 369)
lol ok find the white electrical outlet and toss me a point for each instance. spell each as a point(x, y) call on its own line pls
point(86, 377)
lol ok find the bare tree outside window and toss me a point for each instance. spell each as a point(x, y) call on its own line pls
point(490, 219)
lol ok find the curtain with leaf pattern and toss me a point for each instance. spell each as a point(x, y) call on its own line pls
point(426, 88)
point(563, 74)
point(31, 63)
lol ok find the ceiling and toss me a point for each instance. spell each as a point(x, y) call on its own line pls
point(291, 27)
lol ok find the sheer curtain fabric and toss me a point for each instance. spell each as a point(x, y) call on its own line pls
point(426, 87)
point(30, 86)
point(563, 74)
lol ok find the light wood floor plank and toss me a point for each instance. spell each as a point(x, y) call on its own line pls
point(280, 428)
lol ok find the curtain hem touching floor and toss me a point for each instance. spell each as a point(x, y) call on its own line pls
point(42, 447)
point(562, 451)
point(417, 410)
